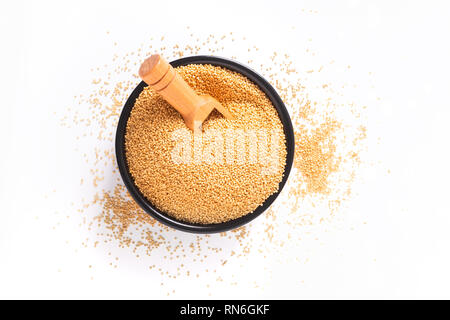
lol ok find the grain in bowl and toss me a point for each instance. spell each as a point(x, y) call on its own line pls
point(215, 175)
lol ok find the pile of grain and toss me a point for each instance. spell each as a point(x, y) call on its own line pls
point(316, 195)
point(200, 191)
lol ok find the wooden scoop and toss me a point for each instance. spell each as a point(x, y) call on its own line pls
point(162, 77)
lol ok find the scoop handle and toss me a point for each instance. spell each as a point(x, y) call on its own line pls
point(162, 77)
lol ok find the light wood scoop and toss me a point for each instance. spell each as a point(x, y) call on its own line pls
point(162, 77)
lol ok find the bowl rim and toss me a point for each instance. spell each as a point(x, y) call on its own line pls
point(168, 220)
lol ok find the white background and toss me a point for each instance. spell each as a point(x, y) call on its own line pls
point(47, 51)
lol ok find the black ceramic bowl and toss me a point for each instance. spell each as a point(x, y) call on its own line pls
point(164, 217)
